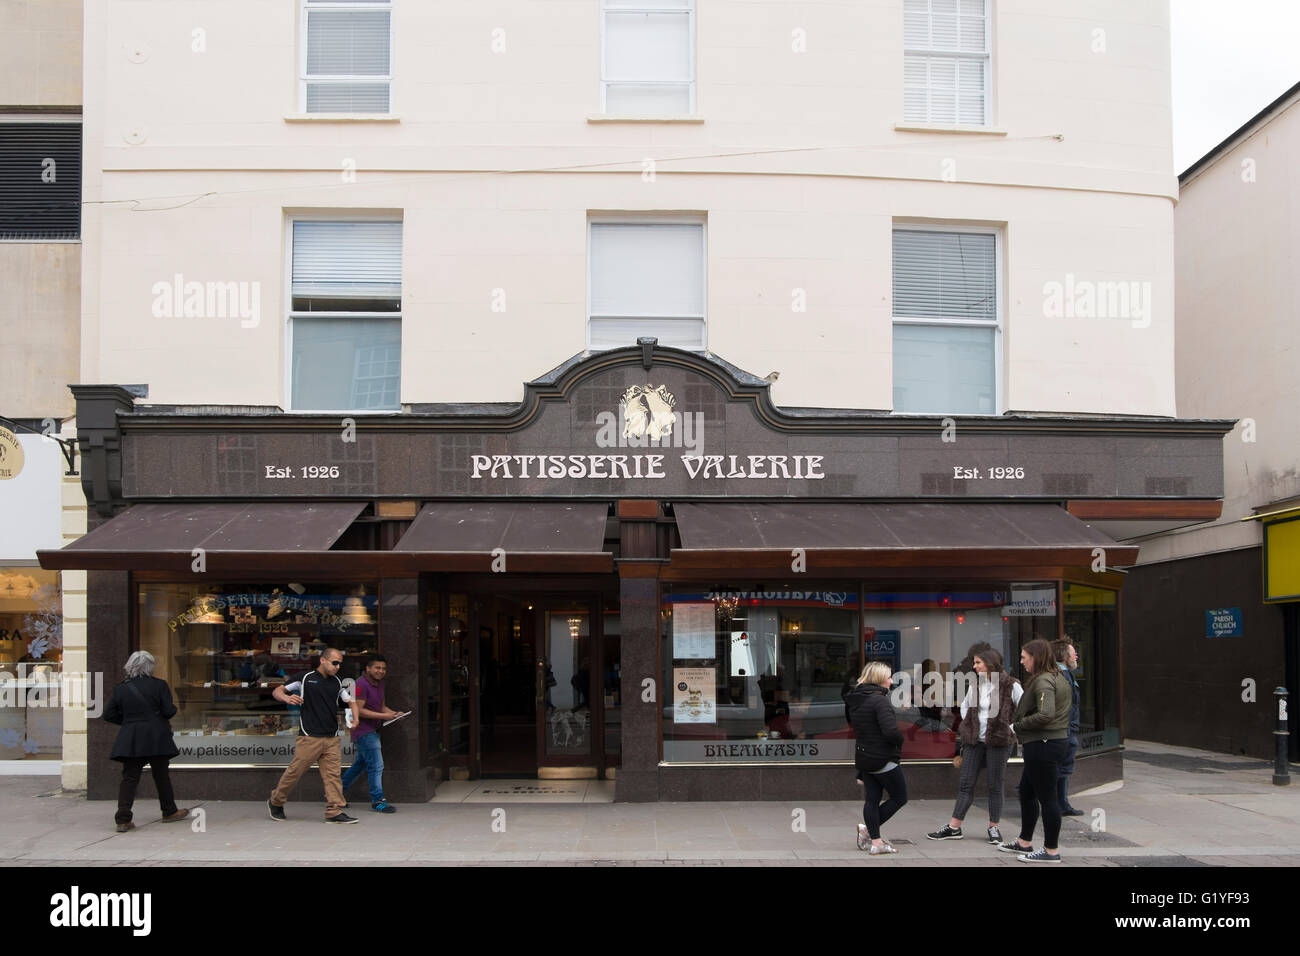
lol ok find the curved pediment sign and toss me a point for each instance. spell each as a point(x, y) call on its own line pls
point(654, 422)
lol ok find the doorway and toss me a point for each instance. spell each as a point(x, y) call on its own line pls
point(532, 686)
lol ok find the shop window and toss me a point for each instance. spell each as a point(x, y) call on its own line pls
point(758, 675)
point(346, 56)
point(946, 321)
point(929, 634)
point(1092, 626)
point(224, 650)
point(33, 686)
point(946, 62)
point(648, 57)
point(647, 279)
point(346, 316)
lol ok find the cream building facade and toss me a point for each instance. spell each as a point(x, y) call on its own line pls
point(40, 319)
point(347, 264)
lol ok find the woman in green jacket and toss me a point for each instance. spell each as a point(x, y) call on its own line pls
point(1042, 725)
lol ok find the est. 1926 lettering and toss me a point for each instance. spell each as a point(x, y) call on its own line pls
point(306, 471)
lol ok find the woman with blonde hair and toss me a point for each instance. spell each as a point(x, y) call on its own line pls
point(879, 747)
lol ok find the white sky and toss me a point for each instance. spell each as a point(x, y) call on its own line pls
point(1231, 58)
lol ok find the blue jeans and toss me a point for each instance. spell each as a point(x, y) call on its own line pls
point(367, 758)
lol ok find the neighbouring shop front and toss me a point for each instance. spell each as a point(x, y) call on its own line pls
point(645, 571)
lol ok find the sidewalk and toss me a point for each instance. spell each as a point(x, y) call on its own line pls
point(1177, 807)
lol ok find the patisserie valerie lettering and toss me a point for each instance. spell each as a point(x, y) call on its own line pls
point(646, 466)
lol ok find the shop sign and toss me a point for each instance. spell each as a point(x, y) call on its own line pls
point(1036, 602)
point(1223, 622)
point(11, 455)
point(883, 645)
point(813, 749)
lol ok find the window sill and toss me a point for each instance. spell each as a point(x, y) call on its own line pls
point(342, 118)
point(939, 128)
point(621, 118)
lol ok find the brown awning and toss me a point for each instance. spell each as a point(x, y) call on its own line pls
point(163, 537)
point(525, 536)
point(940, 534)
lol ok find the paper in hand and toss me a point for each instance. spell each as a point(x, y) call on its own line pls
point(397, 718)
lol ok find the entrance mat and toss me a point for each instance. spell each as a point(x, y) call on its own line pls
point(525, 791)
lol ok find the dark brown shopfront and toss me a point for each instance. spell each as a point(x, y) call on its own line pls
point(644, 571)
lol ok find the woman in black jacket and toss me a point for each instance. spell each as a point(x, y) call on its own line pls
point(879, 746)
point(142, 705)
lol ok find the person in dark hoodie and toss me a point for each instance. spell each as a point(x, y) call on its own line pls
point(879, 746)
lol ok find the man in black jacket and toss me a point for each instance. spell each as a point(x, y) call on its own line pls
point(1067, 659)
point(320, 694)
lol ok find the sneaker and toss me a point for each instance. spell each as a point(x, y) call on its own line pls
point(864, 838)
point(945, 832)
point(180, 814)
point(341, 818)
point(1014, 847)
point(1040, 856)
point(1072, 812)
point(881, 850)
point(383, 806)
point(124, 827)
point(277, 813)
point(995, 835)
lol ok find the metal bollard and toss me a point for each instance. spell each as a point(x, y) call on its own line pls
point(1281, 769)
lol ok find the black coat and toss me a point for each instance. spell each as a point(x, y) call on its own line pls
point(145, 731)
point(872, 716)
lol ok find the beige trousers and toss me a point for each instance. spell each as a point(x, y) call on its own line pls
point(325, 752)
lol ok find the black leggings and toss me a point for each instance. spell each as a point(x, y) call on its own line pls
point(874, 813)
point(1038, 786)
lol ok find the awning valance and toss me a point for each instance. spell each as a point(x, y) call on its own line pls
point(510, 536)
point(165, 537)
point(764, 536)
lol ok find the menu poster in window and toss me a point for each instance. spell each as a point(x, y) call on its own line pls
point(693, 632)
point(695, 695)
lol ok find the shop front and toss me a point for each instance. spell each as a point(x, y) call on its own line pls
point(645, 571)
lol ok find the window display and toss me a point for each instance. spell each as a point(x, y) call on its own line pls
point(225, 649)
point(31, 666)
point(758, 675)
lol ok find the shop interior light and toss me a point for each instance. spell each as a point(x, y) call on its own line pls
point(575, 627)
point(208, 609)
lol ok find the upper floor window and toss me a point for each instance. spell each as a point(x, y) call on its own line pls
point(946, 62)
point(40, 181)
point(345, 318)
point(946, 321)
point(646, 278)
point(647, 63)
point(346, 56)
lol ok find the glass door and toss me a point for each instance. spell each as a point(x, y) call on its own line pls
point(565, 684)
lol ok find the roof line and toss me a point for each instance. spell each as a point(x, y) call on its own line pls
point(1236, 134)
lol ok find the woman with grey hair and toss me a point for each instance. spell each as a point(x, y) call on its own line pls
point(142, 705)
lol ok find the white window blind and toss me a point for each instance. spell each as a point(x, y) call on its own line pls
point(347, 61)
point(946, 322)
point(945, 275)
point(946, 61)
point(345, 315)
point(347, 260)
point(648, 57)
point(647, 279)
